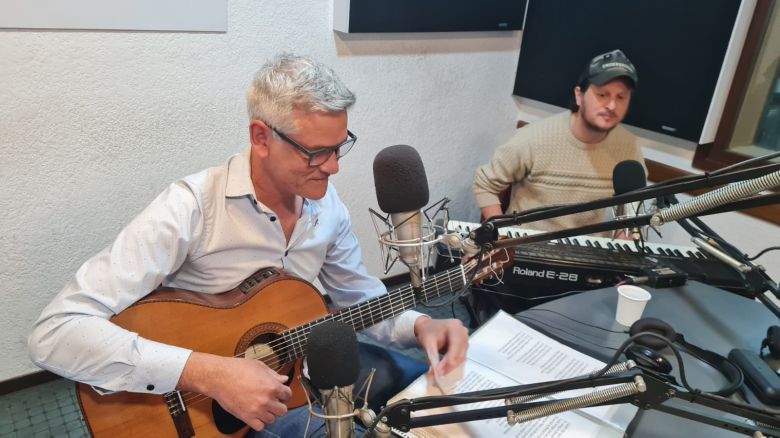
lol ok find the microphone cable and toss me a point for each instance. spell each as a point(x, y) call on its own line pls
point(762, 252)
point(568, 333)
point(576, 320)
point(743, 163)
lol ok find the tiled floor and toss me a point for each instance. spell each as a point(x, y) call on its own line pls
point(47, 410)
point(51, 409)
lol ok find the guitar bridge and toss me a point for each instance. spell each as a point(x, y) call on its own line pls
point(179, 414)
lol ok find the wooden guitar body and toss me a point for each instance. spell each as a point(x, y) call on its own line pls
point(266, 304)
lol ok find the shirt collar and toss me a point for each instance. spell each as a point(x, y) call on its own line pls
point(239, 181)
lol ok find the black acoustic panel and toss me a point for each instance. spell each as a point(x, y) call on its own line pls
point(435, 15)
point(678, 48)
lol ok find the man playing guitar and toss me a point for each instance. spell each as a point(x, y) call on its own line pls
point(271, 205)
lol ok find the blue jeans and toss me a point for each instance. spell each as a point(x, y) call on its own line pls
point(394, 372)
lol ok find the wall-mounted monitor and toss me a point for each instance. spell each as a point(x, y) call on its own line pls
point(380, 16)
point(684, 53)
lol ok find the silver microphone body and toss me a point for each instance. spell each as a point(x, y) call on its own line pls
point(408, 229)
point(629, 210)
point(338, 402)
point(461, 243)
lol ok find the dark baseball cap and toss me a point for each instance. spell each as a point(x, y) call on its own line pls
point(608, 66)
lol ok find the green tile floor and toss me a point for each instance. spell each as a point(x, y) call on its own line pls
point(51, 409)
point(46, 410)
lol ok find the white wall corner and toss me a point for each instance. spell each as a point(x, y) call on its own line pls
point(341, 15)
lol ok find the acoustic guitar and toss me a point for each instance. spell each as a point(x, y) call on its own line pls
point(267, 317)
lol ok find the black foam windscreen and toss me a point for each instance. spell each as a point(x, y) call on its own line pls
point(400, 181)
point(628, 175)
point(332, 355)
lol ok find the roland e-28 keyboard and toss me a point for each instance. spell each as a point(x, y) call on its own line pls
point(586, 262)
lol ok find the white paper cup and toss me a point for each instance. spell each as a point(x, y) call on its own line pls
point(631, 303)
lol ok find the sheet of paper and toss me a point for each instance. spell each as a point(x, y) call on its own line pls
point(505, 352)
point(510, 347)
point(476, 377)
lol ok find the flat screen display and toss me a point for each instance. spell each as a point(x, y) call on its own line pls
point(678, 48)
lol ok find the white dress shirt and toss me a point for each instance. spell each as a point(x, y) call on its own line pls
point(207, 233)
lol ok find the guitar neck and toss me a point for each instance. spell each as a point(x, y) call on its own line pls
point(367, 313)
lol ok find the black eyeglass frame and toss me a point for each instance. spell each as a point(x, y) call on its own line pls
point(325, 152)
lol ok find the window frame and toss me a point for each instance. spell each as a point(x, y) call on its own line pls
point(715, 155)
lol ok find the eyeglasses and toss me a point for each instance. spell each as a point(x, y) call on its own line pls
point(320, 156)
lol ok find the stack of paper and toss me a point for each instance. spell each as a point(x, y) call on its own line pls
point(505, 352)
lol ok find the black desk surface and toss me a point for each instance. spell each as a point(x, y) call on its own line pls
point(710, 318)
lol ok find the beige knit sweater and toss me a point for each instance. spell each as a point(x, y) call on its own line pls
point(546, 165)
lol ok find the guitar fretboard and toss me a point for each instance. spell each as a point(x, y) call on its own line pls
point(377, 309)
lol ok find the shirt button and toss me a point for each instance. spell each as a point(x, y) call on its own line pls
point(273, 218)
point(150, 387)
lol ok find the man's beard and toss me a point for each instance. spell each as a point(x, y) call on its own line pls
point(593, 127)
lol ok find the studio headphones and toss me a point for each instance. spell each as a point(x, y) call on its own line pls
point(772, 342)
point(645, 352)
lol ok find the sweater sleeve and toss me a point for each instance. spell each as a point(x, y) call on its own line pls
point(510, 164)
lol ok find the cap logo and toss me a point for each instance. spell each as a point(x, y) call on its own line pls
point(616, 65)
point(608, 66)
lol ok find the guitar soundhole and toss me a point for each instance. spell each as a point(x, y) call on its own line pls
point(267, 348)
point(267, 344)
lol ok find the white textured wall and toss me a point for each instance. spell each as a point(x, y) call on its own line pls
point(94, 124)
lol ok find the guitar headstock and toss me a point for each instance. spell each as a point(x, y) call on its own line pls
point(492, 263)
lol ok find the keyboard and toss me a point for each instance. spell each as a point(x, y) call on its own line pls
point(544, 269)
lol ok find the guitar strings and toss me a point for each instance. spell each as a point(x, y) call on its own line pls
point(297, 335)
point(296, 339)
point(371, 305)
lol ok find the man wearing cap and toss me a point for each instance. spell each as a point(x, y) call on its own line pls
point(569, 157)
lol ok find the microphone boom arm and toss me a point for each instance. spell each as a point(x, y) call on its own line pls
point(483, 236)
point(638, 387)
point(650, 192)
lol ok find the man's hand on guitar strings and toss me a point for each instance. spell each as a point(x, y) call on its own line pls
point(246, 388)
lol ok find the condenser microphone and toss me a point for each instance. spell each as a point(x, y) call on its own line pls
point(402, 191)
point(627, 176)
point(334, 364)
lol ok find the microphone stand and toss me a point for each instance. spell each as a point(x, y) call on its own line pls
point(644, 389)
point(756, 276)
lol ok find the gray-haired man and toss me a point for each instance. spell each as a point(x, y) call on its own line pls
point(270, 205)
